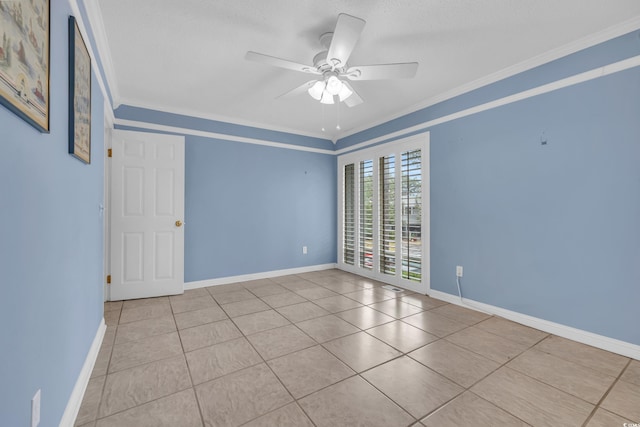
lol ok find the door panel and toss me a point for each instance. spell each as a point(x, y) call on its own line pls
point(147, 202)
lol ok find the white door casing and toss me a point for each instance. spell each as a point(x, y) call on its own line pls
point(147, 215)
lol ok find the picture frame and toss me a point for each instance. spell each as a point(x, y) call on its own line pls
point(79, 95)
point(25, 60)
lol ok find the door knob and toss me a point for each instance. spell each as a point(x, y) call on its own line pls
point(178, 223)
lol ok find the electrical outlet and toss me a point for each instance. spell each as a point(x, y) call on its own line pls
point(304, 250)
point(458, 271)
point(35, 409)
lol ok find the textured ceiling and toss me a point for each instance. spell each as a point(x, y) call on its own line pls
point(187, 56)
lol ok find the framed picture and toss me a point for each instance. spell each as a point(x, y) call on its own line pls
point(24, 60)
point(79, 95)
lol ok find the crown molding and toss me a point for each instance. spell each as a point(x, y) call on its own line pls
point(222, 136)
point(219, 118)
point(612, 32)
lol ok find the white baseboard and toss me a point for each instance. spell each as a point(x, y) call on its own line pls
point(73, 405)
point(600, 341)
point(256, 276)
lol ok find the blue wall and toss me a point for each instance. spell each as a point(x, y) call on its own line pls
point(552, 231)
point(51, 250)
point(250, 208)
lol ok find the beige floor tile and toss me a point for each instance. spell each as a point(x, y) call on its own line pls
point(189, 293)
point(365, 317)
point(208, 363)
point(240, 397)
point(180, 409)
point(282, 300)
point(422, 301)
point(288, 416)
point(591, 357)
point(303, 311)
point(109, 335)
point(89, 407)
point(470, 410)
point(134, 353)
point(261, 321)
point(369, 296)
point(145, 302)
point(337, 303)
point(461, 314)
point(604, 418)
point(267, 290)
point(402, 336)
point(434, 323)
point(111, 318)
point(632, 373)
point(572, 378)
point(353, 402)
point(280, 341)
point(145, 328)
point(102, 361)
point(221, 289)
point(532, 401)
point(298, 285)
point(242, 308)
point(189, 319)
point(315, 293)
point(286, 279)
point(145, 312)
point(396, 308)
point(361, 351)
point(417, 389)
point(234, 296)
point(258, 283)
point(112, 305)
point(208, 334)
point(486, 344)
point(624, 400)
point(459, 365)
point(142, 384)
point(513, 331)
point(192, 304)
point(326, 328)
point(342, 287)
point(309, 370)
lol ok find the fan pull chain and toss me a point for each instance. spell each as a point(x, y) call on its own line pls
point(338, 116)
point(323, 129)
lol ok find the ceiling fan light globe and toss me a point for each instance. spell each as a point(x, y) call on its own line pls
point(345, 92)
point(334, 85)
point(316, 90)
point(327, 98)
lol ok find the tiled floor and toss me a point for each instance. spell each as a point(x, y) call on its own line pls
point(333, 349)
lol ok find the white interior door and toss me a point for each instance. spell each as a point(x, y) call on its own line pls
point(147, 214)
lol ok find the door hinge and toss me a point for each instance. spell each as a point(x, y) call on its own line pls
point(109, 153)
point(109, 279)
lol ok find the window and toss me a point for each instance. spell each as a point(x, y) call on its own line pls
point(384, 217)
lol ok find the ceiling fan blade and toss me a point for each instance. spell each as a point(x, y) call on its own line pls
point(299, 90)
point(279, 62)
point(383, 71)
point(354, 99)
point(345, 37)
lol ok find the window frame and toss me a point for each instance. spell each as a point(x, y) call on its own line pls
point(396, 148)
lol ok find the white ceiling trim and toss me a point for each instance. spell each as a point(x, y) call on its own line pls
point(632, 24)
point(94, 64)
point(226, 137)
point(220, 118)
point(549, 87)
point(102, 44)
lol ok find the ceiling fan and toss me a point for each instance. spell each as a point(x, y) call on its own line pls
point(332, 68)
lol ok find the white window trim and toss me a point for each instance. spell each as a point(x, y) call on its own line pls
point(419, 141)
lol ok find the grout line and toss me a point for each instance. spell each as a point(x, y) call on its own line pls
point(606, 393)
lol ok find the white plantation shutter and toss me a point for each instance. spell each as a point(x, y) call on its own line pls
point(387, 219)
point(411, 215)
point(366, 215)
point(349, 218)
